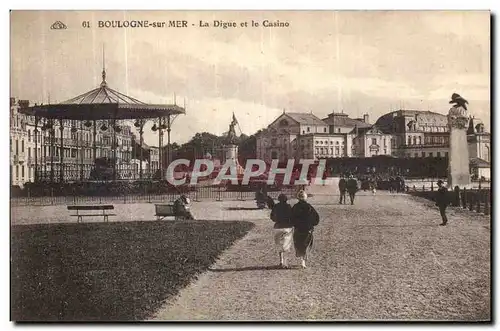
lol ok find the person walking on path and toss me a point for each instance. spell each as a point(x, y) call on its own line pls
point(283, 229)
point(304, 219)
point(352, 188)
point(442, 201)
point(342, 189)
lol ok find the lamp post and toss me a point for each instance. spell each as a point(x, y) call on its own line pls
point(36, 149)
point(61, 151)
point(139, 124)
point(160, 128)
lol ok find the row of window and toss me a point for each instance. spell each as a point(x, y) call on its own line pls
point(384, 142)
point(429, 154)
point(329, 151)
point(414, 139)
point(308, 129)
point(30, 171)
point(105, 141)
point(320, 142)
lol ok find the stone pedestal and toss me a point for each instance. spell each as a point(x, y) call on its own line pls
point(458, 169)
point(231, 153)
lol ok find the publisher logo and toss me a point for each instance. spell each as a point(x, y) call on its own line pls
point(58, 25)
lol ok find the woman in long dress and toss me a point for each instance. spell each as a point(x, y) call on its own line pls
point(304, 219)
point(283, 229)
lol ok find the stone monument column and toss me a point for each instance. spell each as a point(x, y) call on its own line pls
point(458, 122)
point(231, 153)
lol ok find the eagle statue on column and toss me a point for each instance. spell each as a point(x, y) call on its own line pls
point(458, 101)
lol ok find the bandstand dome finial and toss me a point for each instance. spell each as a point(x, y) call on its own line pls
point(103, 83)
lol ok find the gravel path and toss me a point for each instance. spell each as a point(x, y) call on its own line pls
point(383, 258)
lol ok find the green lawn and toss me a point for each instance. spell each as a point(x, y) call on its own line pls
point(109, 271)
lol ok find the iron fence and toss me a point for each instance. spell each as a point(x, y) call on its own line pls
point(216, 193)
point(478, 200)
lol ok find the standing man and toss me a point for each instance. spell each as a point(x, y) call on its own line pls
point(442, 201)
point(352, 188)
point(342, 188)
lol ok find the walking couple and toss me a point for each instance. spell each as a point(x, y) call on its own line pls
point(294, 223)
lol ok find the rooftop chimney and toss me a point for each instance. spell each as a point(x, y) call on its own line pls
point(365, 118)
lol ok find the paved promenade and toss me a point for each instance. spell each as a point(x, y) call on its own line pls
point(383, 258)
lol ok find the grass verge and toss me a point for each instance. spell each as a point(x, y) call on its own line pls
point(109, 271)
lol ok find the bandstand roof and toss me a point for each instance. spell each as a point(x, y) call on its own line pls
point(102, 103)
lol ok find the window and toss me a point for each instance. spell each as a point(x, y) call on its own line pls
point(331, 150)
point(17, 146)
point(337, 151)
point(414, 140)
point(22, 172)
point(438, 154)
point(17, 172)
point(420, 140)
point(324, 129)
point(416, 155)
point(338, 130)
point(29, 135)
point(11, 144)
point(430, 154)
point(317, 150)
point(409, 140)
point(385, 151)
point(22, 146)
point(336, 143)
point(308, 129)
point(29, 151)
point(374, 141)
point(423, 154)
point(385, 142)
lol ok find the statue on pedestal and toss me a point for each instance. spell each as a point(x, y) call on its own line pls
point(458, 116)
point(458, 122)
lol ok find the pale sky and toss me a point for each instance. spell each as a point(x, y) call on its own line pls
point(357, 62)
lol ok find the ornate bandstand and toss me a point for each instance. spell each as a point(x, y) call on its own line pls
point(101, 110)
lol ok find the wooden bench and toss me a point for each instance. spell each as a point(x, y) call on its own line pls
point(164, 210)
point(92, 207)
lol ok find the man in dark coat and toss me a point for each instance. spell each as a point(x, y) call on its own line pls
point(442, 201)
point(304, 219)
point(352, 188)
point(342, 189)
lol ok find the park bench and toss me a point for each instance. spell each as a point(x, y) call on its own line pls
point(103, 208)
point(164, 210)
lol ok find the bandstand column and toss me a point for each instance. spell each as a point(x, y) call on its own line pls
point(35, 179)
point(94, 141)
point(141, 132)
point(82, 149)
point(169, 124)
point(61, 163)
point(52, 134)
point(160, 144)
point(114, 146)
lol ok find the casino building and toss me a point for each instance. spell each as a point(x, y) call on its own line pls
point(401, 133)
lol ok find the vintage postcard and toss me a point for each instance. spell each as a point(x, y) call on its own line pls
point(250, 166)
